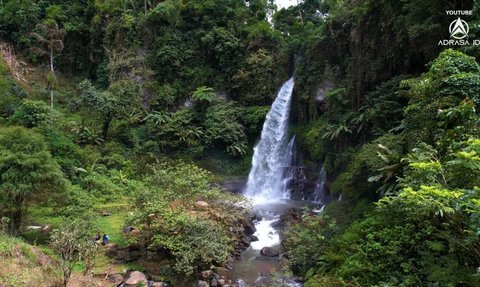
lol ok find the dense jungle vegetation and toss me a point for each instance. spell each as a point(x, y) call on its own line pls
point(137, 108)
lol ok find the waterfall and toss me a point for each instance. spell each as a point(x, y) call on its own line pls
point(319, 192)
point(287, 178)
point(265, 177)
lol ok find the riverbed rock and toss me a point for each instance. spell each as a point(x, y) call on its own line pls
point(246, 241)
point(253, 238)
point(116, 278)
point(201, 204)
point(207, 274)
point(269, 252)
point(202, 283)
point(248, 227)
point(229, 266)
point(221, 282)
point(128, 255)
point(158, 284)
point(112, 250)
point(213, 283)
point(135, 278)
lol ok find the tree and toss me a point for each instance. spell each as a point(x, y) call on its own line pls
point(50, 37)
point(27, 170)
point(73, 243)
point(119, 101)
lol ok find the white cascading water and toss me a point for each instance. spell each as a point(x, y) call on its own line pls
point(287, 172)
point(265, 177)
point(319, 193)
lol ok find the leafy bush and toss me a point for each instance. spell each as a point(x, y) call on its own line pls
point(423, 235)
point(373, 169)
point(32, 113)
point(451, 79)
point(307, 242)
point(168, 217)
point(222, 125)
point(254, 117)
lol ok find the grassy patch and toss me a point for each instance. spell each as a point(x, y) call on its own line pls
point(112, 225)
point(21, 267)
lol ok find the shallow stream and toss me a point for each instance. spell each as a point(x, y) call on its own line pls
point(254, 269)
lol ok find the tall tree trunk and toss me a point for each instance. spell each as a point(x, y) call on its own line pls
point(16, 215)
point(106, 127)
point(300, 11)
point(51, 61)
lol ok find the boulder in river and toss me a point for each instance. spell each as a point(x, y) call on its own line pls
point(253, 238)
point(135, 278)
point(269, 252)
point(249, 227)
point(202, 283)
point(246, 241)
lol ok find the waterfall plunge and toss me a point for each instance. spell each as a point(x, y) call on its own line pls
point(266, 176)
point(319, 193)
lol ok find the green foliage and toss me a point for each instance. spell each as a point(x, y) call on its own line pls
point(373, 169)
point(168, 217)
point(77, 203)
point(315, 144)
point(32, 113)
point(26, 171)
point(10, 94)
point(307, 242)
point(64, 150)
point(253, 118)
point(17, 18)
point(384, 107)
point(204, 94)
point(451, 79)
point(256, 81)
point(85, 136)
point(222, 125)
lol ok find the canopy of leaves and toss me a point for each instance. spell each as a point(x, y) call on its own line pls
point(26, 171)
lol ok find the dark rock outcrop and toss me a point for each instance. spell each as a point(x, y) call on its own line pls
point(269, 252)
